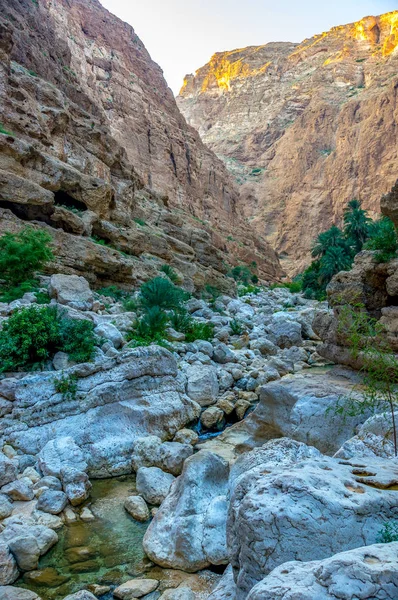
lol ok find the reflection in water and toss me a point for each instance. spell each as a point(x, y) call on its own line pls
point(106, 551)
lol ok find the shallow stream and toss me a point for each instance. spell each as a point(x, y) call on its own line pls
point(105, 551)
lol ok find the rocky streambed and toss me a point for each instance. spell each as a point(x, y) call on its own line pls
point(112, 493)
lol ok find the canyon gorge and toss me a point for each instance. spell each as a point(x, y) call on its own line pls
point(303, 128)
point(178, 419)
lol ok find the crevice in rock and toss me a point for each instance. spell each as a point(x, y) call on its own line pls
point(62, 198)
point(30, 212)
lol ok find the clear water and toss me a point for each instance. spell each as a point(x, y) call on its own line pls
point(105, 551)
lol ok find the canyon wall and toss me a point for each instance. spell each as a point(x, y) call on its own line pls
point(94, 148)
point(304, 128)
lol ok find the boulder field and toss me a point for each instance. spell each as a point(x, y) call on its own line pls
point(240, 459)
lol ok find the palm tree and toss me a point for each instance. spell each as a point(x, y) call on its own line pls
point(331, 238)
point(333, 261)
point(356, 224)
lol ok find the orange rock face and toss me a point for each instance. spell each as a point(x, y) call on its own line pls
point(303, 128)
point(92, 143)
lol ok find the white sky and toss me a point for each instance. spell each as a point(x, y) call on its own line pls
point(181, 35)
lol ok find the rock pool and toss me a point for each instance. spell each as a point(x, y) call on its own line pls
point(107, 550)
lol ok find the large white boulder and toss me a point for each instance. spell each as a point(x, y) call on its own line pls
point(304, 407)
point(72, 291)
point(60, 453)
point(373, 439)
point(370, 572)
point(202, 383)
point(307, 510)
point(138, 393)
point(188, 532)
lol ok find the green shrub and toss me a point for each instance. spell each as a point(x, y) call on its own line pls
point(210, 293)
point(388, 533)
point(34, 334)
point(162, 293)
point(383, 238)
point(21, 255)
point(249, 289)
point(140, 222)
point(131, 304)
point(236, 327)
point(294, 286)
point(242, 274)
point(200, 331)
point(181, 320)
point(112, 291)
point(169, 271)
point(150, 327)
point(42, 298)
point(77, 338)
point(67, 386)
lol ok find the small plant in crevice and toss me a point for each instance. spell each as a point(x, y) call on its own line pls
point(237, 327)
point(388, 533)
point(66, 385)
point(200, 331)
point(114, 292)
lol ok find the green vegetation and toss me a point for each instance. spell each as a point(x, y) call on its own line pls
point(112, 291)
point(236, 327)
point(242, 274)
point(199, 331)
point(140, 222)
point(150, 326)
point(169, 272)
point(383, 238)
point(161, 292)
point(367, 342)
point(67, 386)
point(294, 286)
point(21, 256)
point(334, 250)
point(248, 289)
point(5, 131)
point(34, 334)
point(388, 533)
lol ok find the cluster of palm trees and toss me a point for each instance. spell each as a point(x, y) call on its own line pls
point(334, 250)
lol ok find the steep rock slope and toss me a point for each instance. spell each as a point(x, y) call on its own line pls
point(304, 128)
point(94, 146)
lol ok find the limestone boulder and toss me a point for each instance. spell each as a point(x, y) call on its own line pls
point(202, 384)
point(168, 456)
point(369, 572)
point(9, 592)
point(52, 501)
point(135, 588)
point(5, 506)
point(188, 532)
point(72, 291)
point(284, 332)
point(153, 484)
point(137, 393)
point(20, 489)
point(76, 485)
point(26, 552)
point(304, 407)
point(278, 511)
point(375, 438)
point(137, 508)
point(226, 587)
point(111, 333)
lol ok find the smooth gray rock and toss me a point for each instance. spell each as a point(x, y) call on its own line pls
point(152, 452)
point(110, 332)
point(9, 592)
point(82, 595)
point(284, 332)
point(370, 572)
point(52, 501)
point(72, 291)
point(226, 588)
point(202, 384)
point(137, 508)
point(188, 532)
point(222, 354)
point(26, 552)
point(153, 484)
point(60, 453)
point(135, 588)
point(76, 485)
point(180, 593)
point(53, 483)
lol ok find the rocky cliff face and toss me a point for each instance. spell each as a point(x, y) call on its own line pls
point(93, 146)
point(304, 128)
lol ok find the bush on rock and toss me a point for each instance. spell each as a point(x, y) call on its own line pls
point(34, 334)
